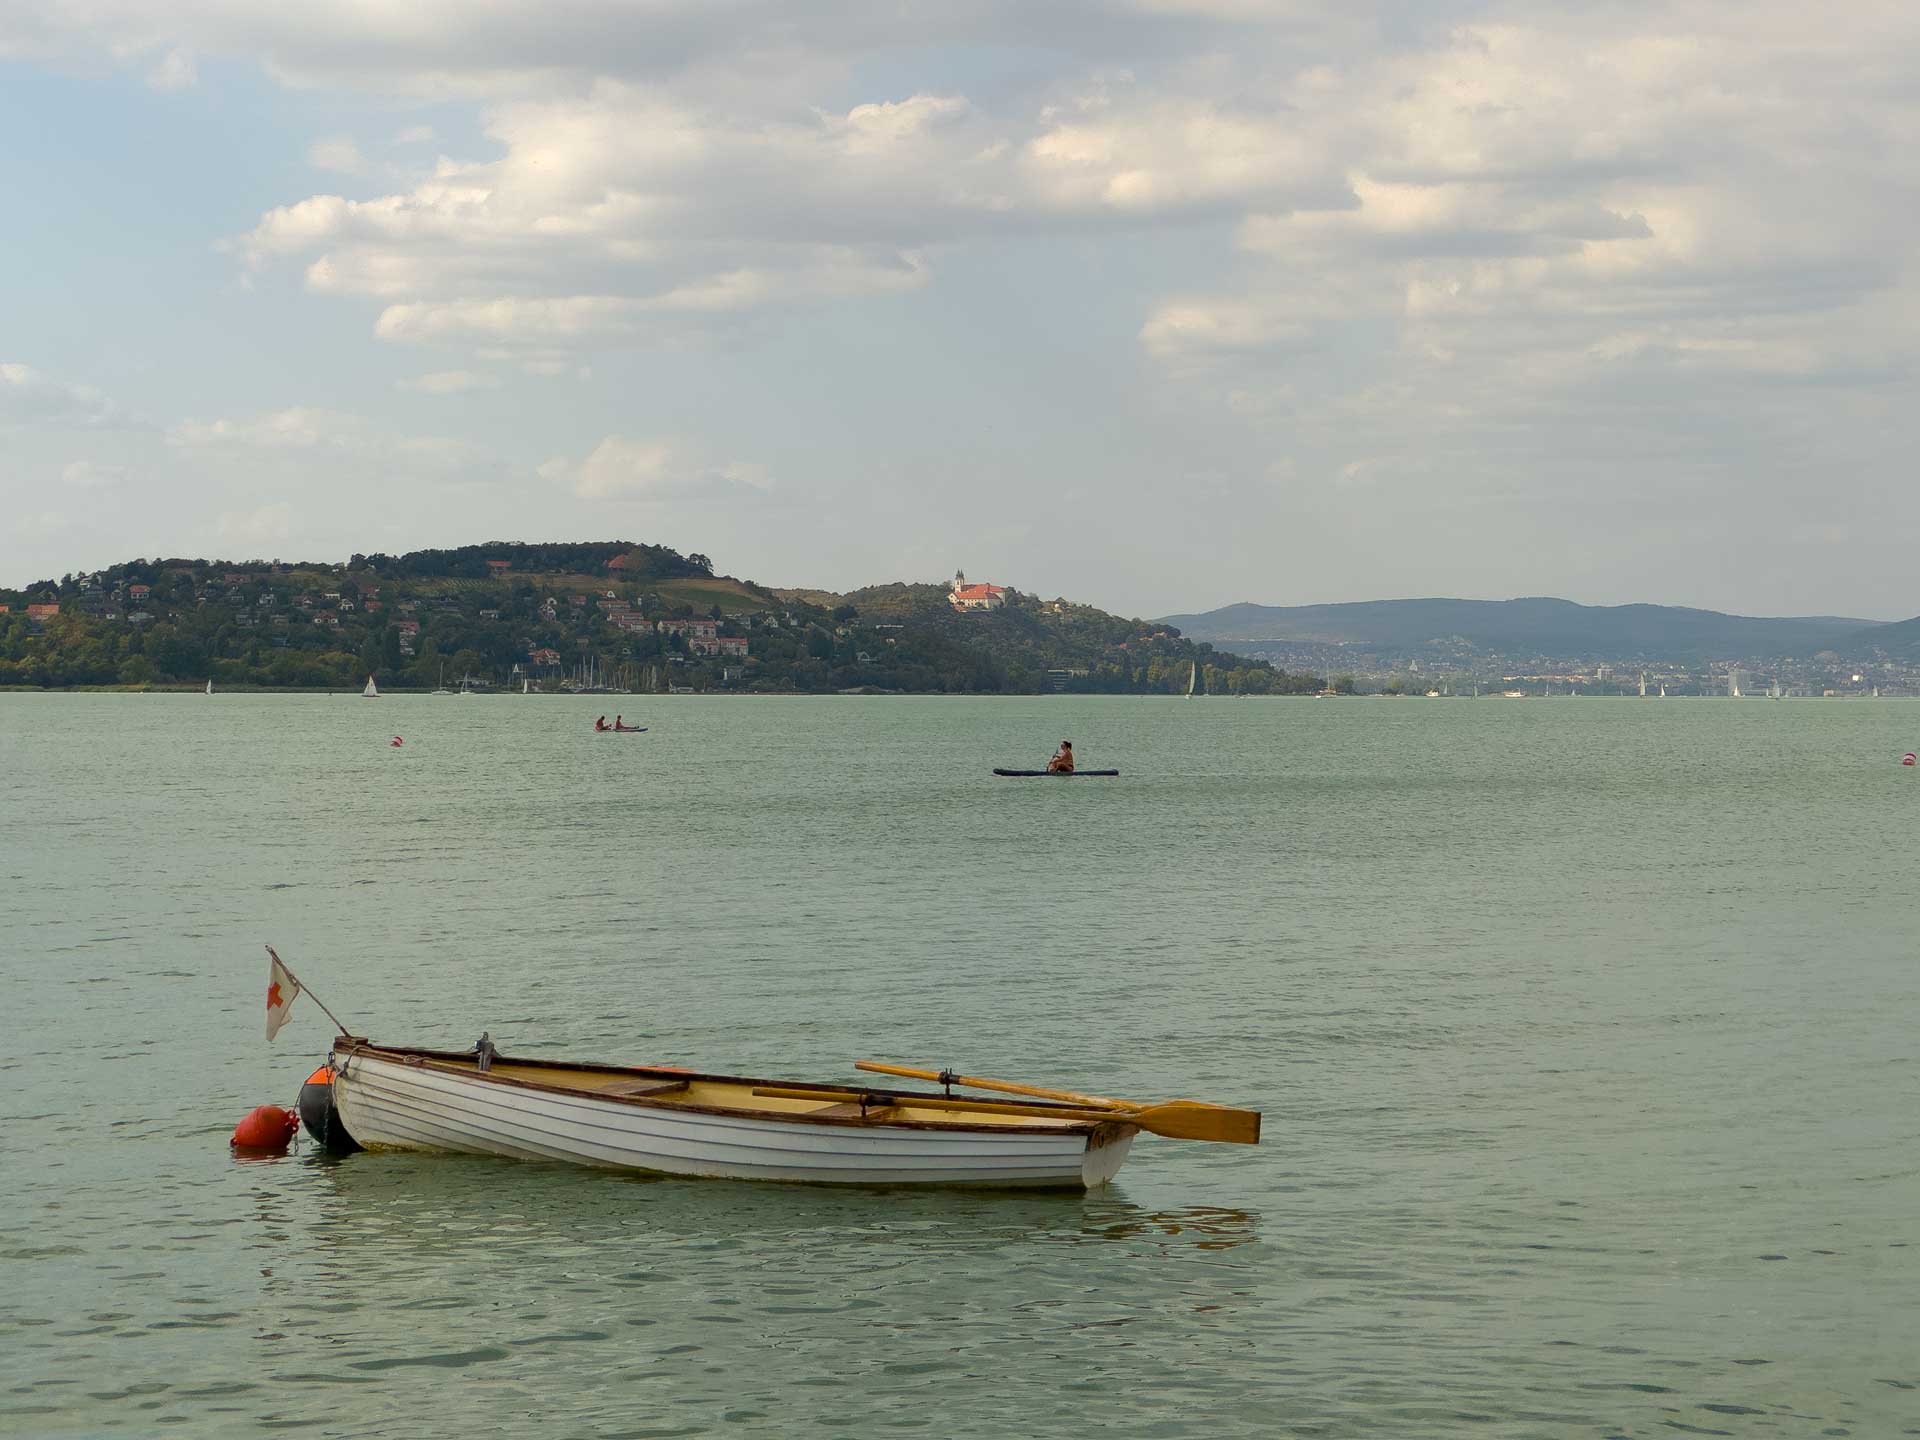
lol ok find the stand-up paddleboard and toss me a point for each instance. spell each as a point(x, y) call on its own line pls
point(1056, 774)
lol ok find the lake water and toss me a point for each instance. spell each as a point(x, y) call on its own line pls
point(1584, 1031)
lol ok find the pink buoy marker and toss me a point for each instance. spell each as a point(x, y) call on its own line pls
point(1910, 758)
point(396, 741)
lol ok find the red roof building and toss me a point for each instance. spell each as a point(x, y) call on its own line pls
point(963, 596)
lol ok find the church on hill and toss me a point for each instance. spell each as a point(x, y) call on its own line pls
point(963, 596)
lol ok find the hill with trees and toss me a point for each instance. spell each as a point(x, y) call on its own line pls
point(610, 614)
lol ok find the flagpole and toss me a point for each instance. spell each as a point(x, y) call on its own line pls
point(304, 986)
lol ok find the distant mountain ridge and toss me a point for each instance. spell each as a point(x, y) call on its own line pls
point(1533, 625)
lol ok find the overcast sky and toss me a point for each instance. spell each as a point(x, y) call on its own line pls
point(1160, 304)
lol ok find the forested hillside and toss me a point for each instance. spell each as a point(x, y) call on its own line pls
point(601, 615)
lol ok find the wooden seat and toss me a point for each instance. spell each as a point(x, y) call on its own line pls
point(632, 1089)
point(850, 1110)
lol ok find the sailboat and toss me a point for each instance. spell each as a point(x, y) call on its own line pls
point(1193, 678)
point(209, 687)
point(372, 692)
point(441, 689)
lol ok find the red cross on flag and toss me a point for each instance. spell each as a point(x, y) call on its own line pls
point(282, 991)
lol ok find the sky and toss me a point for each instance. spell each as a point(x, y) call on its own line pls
point(1157, 304)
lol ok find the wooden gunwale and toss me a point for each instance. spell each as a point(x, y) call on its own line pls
point(460, 1065)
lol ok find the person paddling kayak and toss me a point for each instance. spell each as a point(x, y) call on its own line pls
point(1062, 761)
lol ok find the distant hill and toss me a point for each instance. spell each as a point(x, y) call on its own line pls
point(576, 615)
point(1898, 641)
point(1533, 626)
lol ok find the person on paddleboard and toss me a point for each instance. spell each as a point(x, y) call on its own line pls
point(1062, 761)
point(601, 724)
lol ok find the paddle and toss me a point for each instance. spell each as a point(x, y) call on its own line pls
point(980, 1082)
point(1176, 1119)
point(977, 1082)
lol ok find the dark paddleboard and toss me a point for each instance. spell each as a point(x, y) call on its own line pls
point(1058, 774)
point(623, 730)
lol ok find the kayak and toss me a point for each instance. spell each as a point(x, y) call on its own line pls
point(1060, 774)
point(623, 730)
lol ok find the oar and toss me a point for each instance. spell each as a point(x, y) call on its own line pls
point(977, 1082)
point(1176, 1119)
point(980, 1082)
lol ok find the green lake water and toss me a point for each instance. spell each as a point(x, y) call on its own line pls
point(1585, 1033)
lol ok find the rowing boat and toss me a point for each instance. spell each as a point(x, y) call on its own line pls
point(677, 1122)
point(1060, 774)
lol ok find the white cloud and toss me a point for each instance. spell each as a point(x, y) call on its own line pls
point(92, 474)
point(337, 153)
point(624, 469)
point(175, 71)
point(28, 397)
point(683, 209)
point(451, 382)
point(307, 431)
point(296, 428)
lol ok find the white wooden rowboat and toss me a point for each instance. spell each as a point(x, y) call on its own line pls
point(680, 1123)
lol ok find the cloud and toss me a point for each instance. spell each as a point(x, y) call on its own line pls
point(296, 428)
point(303, 431)
point(337, 153)
point(623, 469)
point(175, 71)
point(689, 214)
point(450, 382)
point(92, 474)
point(30, 398)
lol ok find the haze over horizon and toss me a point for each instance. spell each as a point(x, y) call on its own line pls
point(1160, 304)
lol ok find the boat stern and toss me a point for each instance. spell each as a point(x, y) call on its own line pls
point(1107, 1149)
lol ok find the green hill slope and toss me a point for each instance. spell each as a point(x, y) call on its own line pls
point(557, 616)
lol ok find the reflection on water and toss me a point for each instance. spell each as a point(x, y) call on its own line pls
point(393, 1199)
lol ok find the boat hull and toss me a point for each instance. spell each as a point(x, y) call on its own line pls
point(391, 1102)
point(1055, 774)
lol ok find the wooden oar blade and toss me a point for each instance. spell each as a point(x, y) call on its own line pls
point(1184, 1120)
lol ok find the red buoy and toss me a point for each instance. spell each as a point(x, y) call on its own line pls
point(394, 741)
point(266, 1128)
point(1909, 758)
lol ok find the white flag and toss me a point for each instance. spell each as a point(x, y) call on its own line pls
point(282, 991)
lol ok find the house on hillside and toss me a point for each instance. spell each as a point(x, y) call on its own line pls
point(963, 596)
point(692, 629)
point(499, 567)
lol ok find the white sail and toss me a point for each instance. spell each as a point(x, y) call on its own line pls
point(1193, 677)
point(372, 692)
point(209, 687)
